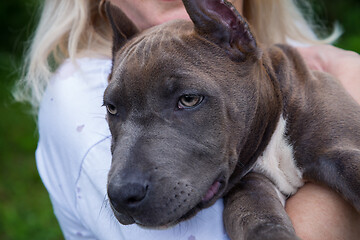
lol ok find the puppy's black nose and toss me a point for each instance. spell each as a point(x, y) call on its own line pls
point(127, 195)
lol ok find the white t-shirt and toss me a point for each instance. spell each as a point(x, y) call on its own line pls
point(73, 159)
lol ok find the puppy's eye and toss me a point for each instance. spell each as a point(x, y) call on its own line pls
point(189, 101)
point(111, 109)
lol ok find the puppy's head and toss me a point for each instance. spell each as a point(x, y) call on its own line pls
point(181, 100)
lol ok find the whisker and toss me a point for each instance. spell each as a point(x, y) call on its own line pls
point(105, 208)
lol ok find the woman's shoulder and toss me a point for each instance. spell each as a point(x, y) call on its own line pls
point(82, 67)
point(71, 118)
point(74, 94)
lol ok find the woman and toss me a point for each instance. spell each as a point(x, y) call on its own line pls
point(66, 74)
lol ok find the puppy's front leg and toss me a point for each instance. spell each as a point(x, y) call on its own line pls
point(254, 211)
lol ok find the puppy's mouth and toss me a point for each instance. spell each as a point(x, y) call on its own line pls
point(210, 194)
point(213, 193)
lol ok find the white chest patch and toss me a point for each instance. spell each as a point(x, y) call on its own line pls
point(277, 162)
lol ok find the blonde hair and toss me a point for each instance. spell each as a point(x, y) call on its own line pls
point(72, 29)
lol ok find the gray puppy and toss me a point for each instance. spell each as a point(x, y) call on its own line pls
point(199, 110)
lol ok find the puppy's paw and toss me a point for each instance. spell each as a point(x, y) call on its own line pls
point(272, 232)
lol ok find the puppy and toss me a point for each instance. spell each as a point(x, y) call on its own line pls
point(200, 111)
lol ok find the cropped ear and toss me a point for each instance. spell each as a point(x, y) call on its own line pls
point(219, 22)
point(123, 28)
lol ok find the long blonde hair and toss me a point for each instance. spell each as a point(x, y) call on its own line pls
point(72, 29)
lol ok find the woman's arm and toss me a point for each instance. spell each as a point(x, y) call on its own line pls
point(343, 64)
point(319, 213)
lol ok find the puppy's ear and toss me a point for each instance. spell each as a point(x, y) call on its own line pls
point(219, 22)
point(123, 28)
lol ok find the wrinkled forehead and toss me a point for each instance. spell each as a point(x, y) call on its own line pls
point(161, 43)
point(161, 52)
point(171, 53)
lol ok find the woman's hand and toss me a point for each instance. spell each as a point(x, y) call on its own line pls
point(344, 65)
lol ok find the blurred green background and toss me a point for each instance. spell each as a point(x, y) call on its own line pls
point(25, 210)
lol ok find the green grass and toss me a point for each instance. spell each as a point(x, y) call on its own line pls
point(25, 208)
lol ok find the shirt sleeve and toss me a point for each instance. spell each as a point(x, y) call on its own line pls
point(71, 121)
point(73, 159)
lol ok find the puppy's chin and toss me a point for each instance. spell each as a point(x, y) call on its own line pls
point(128, 220)
point(123, 219)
